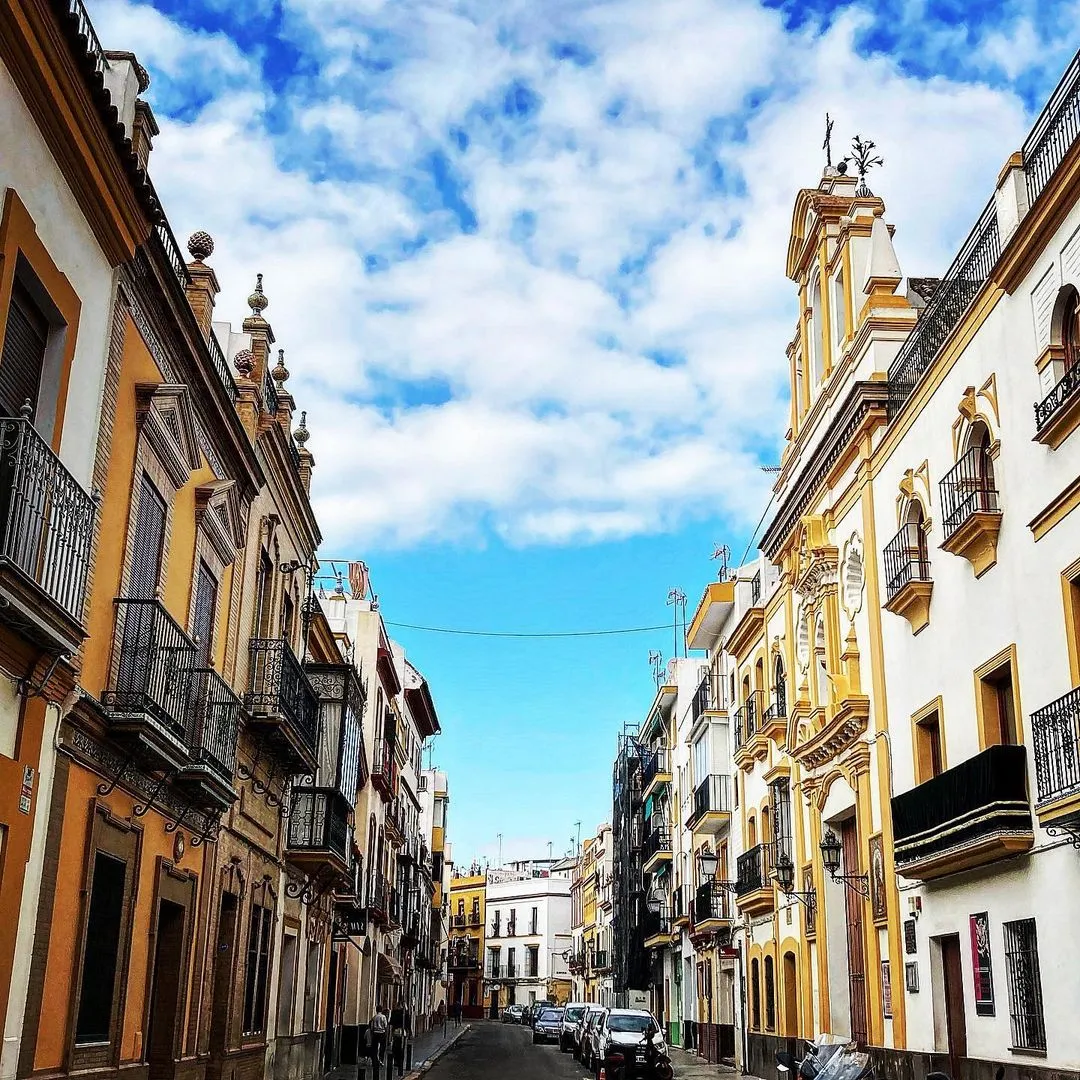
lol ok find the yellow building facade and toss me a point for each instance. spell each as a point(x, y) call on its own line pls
point(465, 951)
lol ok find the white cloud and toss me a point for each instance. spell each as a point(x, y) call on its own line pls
point(600, 240)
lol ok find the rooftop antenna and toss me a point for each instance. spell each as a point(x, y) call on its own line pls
point(656, 661)
point(549, 851)
point(676, 599)
point(500, 851)
point(578, 824)
point(721, 554)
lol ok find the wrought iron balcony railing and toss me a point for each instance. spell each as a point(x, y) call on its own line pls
point(47, 523)
point(755, 590)
point(656, 762)
point(680, 903)
point(752, 869)
point(712, 901)
point(711, 796)
point(149, 697)
point(384, 769)
point(1063, 392)
point(657, 842)
point(971, 814)
point(214, 729)
point(776, 710)
point(655, 923)
point(601, 960)
point(463, 960)
point(1055, 731)
point(475, 919)
point(280, 691)
point(379, 901)
point(1053, 133)
point(906, 559)
point(967, 489)
point(709, 696)
point(748, 718)
point(318, 826)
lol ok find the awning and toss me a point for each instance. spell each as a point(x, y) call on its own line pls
point(388, 969)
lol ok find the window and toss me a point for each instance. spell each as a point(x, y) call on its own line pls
point(264, 593)
point(101, 956)
point(839, 314)
point(147, 545)
point(1070, 329)
point(701, 759)
point(534, 921)
point(257, 970)
point(511, 962)
point(770, 994)
point(1071, 585)
point(929, 745)
point(202, 623)
point(997, 703)
point(25, 341)
point(493, 963)
point(287, 617)
point(780, 687)
point(781, 809)
point(755, 995)
point(532, 961)
point(1025, 985)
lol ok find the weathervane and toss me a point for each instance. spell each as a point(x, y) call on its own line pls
point(864, 159)
point(656, 661)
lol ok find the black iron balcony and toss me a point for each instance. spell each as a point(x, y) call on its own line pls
point(656, 924)
point(46, 529)
point(283, 701)
point(393, 910)
point(680, 903)
point(657, 843)
point(1062, 399)
point(410, 935)
point(379, 901)
point(708, 697)
point(318, 834)
point(601, 960)
point(711, 902)
point(1055, 730)
point(215, 725)
point(711, 796)
point(752, 870)
point(463, 959)
point(969, 815)
point(149, 699)
point(654, 765)
point(384, 769)
point(748, 718)
point(476, 919)
point(905, 559)
point(966, 490)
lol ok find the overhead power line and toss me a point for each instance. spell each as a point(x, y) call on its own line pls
point(510, 634)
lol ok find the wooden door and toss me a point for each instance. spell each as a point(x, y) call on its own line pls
point(954, 999)
point(856, 945)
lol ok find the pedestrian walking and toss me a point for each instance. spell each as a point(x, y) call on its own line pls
point(400, 1031)
point(380, 1024)
point(457, 1013)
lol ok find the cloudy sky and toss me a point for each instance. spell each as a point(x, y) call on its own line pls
point(526, 260)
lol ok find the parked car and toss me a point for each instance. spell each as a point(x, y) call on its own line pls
point(548, 1026)
point(572, 1013)
point(534, 1011)
point(625, 1031)
point(582, 1027)
point(590, 1042)
point(513, 1014)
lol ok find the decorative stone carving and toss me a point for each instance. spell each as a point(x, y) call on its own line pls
point(201, 245)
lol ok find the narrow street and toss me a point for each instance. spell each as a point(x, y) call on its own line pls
point(489, 1051)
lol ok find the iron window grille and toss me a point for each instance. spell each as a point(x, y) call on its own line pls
point(1025, 985)
point(906, 558)
point(755, 590)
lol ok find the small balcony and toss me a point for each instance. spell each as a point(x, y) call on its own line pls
point(216, 710)
point(708, 698)
point(657, 848)
point(712, 907)
point(712, 805)
point(318, 830)
point(748, 724)
point(1055, 731)
point(971, 514)
point(395, 821)
point(681, 905)
point(1056, 414)
point(656, 926)
point(283, 703)
point(774, 718)
point(655, 771)
point(149, 700)
point(753, 884)
point(410, 934)
point(463, 959)
point(972, 814)
point(379, 901)
point(384, 770)
point(602, 960)
point(46, 531)
point(908, 586)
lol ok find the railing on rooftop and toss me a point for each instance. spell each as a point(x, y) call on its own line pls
point(270, 394)
point(1053, 133)
point(77, 14)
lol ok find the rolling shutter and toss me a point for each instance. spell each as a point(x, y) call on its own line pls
point(25, 339)
point(205, 607)
point(146, 545)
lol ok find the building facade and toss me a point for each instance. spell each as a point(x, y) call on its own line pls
point(591, 891)
point(465, 951)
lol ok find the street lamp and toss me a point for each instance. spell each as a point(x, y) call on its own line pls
point(785, 878)
point(655, 900)
point(830, 857)
point(707, 863)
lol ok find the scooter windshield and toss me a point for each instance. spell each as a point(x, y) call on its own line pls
point(846, 1064)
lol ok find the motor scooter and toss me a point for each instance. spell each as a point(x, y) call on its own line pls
point(828, 1057)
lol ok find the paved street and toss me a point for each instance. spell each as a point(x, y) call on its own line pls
point(494, 1051)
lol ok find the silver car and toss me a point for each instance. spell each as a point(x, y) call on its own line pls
point(625, 1031)
point(590, 1046)
point(572, 1014)
point(548, 1026)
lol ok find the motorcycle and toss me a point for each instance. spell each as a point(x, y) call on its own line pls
point(646, 1060)
point(828, 1057)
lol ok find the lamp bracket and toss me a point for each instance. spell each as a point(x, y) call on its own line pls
point(859, 883)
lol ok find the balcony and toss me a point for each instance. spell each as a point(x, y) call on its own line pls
point(748, 724)
point(318, 833)
point(395, 821)
point(712, 805)
point(657, 848)
point(150, 684)
point(712, 907)
point(748, 629)
point(907, 576)
point(655, 771)
point(1056, 414)
point(207, 777)
point(283, 703)
point(656, 926)
point(379, 901)
point(393, 907)
point(774, 718)
point(384, 770)
point(410, 935)
point(971, 515)
point(463, 960)
point(972, 814)
point(46, 529)
point(753, 885)
point(681, 905)
point(601, 960)
point(708, 698)
point(1055, 731)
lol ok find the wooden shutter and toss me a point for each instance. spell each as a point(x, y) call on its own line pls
point(147, 543)
point(205, 610)
point(25, 339)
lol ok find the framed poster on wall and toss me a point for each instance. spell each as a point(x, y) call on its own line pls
point(981, 964)
point(886, 989)
point(878, 901)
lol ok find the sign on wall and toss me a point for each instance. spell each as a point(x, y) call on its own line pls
point(886, 988)
point(980, 964)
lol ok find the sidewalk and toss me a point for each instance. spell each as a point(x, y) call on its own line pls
point(425, 1049)
point(695, 1067)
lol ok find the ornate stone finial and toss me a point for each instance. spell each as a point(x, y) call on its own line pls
point(280, 372)
point(27, 410)
point(201, 245)
point(301, 434)
point(244, 362)
point(862, 156)
point(257, 301)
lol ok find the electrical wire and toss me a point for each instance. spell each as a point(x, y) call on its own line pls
point(508, 634)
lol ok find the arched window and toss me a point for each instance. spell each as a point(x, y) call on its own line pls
point(755, 995)
point(751, 831)
point(979, 447)
point(1068, 320)
point(780, 687)
point(813, 336)
point(839, 314)
point(915, 542)
point(821, 663)
point(770, 995)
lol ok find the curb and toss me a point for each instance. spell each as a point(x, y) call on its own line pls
point(438, 1054)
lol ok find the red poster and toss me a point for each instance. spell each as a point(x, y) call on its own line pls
point(981, 964)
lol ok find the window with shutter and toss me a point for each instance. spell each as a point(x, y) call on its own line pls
point(205, 609)
point(263, 610)
point(25, 340)
point(147, 543)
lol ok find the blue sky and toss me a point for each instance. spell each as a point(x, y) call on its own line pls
point(526, 260)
